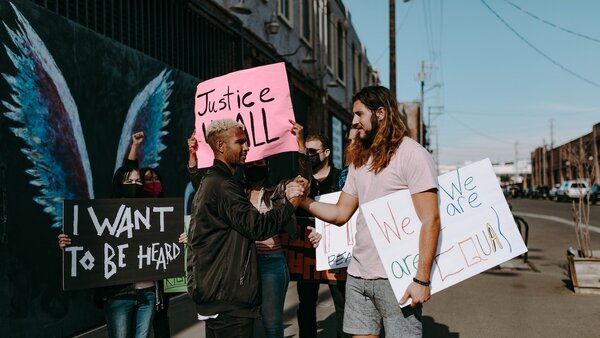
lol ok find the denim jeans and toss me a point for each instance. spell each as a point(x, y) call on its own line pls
point(130, 315)
point(274, 277)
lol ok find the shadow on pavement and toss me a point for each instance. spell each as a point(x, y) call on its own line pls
point(569, 284)
point(431, 329)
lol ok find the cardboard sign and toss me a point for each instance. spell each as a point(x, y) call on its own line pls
point(179, 284)
point(335, 249)
point(121, 241)
point(478, 230)
point(259, 98)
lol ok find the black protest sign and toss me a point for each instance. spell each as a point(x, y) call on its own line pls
point(121, 241)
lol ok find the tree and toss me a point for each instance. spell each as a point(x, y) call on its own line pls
point(583, 165)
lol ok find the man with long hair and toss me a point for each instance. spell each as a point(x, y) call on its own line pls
point(383, 160)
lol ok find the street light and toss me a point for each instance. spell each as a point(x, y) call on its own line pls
point(240, 8)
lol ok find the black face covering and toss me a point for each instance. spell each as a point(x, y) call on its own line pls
point(314, 160)
point(256, 173)
point(132, 191)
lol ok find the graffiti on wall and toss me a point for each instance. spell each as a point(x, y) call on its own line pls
point(50, 126)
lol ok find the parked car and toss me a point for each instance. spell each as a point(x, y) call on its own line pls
point(552, 192)
point(541, 191)
point(570, 190)
point(595, 193)
point(514, 191)
point(528, 193)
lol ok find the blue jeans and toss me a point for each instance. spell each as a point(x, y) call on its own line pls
point(130, 315)
point(274, 277)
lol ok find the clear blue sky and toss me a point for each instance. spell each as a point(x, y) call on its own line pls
point(497, 90)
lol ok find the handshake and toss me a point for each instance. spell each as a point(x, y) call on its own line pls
point(296, 190)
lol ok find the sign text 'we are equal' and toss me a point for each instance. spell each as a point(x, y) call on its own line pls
point(477, 229)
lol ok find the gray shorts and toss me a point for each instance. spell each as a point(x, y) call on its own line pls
point(371, 303)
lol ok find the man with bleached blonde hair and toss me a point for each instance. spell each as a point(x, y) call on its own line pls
point(222, 263)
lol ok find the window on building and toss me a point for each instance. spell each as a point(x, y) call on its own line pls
point(337, 142)
point(307, 20)
point(285, 11)
point(357, 68)
point(341, 51)
point(330, 34)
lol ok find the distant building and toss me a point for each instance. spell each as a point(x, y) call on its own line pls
point(506, 172)
point(573, 160)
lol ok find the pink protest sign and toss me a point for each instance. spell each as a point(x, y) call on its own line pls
point(259, 98)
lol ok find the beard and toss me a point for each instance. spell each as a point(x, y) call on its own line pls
point(367, 140)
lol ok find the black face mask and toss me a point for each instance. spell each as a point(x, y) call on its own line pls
point(314, 160)
point(256, 173)
point(132, 191)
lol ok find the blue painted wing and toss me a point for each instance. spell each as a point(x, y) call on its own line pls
point(147, 113)
point(48, 121)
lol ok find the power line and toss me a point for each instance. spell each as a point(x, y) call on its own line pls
point(552, 24)
point(477, 131)
point(387, 48)
point(428, 27)
point(538, 50)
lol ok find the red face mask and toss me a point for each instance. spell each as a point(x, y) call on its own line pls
point(153, 189)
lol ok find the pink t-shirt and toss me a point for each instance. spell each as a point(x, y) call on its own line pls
point(412, 168)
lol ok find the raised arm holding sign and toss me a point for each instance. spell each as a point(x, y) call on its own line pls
point(258, 98)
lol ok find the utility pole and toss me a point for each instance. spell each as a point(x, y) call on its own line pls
point(422, 76)
point(551, 134)
point(544, 162)
point(393, 48)
point(516, 160)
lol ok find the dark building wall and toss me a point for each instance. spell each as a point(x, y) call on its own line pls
point(103, 77)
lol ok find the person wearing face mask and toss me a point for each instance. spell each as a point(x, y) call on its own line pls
point(128, 308)
point(152, 188)
point(325, 179)
point(272, 263)
point(151, 183)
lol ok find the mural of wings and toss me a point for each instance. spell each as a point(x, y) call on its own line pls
point(147, 113)
point(49, 121)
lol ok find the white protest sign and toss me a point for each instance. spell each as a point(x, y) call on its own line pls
point(478, 230)
point(335, 250)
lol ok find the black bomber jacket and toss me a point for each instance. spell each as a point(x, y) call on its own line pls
point(222, 263)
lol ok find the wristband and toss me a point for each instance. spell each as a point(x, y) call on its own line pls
point(421, 282)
